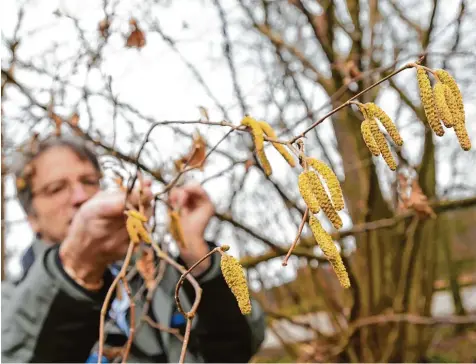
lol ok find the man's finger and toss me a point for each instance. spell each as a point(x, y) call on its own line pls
point(146, 197)
point(105, 204)
point(195, 187)
point(177, 197)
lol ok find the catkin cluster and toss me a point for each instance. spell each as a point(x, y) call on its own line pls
point(327, 245)
point(375, 111)
point(374, 138)
point(314, 194)
point(259, 129)
point(235, 279)
point(135, 227)
point(428, 101)
point(452, 102)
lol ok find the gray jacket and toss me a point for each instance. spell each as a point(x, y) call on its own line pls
point(47, 317)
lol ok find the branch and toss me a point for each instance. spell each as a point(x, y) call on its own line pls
point(404, 317)
point(438, 207)
point(229, 57)
point(427, 36)
point(348, 102)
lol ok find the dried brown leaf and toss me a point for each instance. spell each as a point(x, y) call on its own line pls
point(74, 120)
point(136, 38)
point(196, 155)
point(58, 122)
point(248, 164)
point(419, 202)
point(146, 267)
point(412, 197)
point(204, 113)
point(103, 27)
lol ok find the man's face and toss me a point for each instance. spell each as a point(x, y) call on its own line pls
point(62, 182)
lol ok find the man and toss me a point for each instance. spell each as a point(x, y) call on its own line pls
point(52, 313)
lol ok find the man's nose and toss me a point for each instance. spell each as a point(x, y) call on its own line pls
point(79, 195)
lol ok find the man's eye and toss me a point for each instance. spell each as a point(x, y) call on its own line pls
point(90, 182)
point(55, 189)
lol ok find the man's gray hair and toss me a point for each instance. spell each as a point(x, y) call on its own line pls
point(22, 162)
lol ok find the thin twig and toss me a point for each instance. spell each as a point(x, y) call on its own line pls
point(158, 326)
point(293, 245)
point(347, 103)
point(107, 300)
point(195, 285)
point(132, 307)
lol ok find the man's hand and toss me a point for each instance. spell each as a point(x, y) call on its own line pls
point(196, 210)
point(98, 236)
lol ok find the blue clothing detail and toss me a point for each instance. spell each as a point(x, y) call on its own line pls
point(93, 358)
point(177, 320)
point(120, 307)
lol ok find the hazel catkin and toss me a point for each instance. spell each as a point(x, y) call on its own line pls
point(307, 193)
point(462, 135)
point(382, 145)
point(268, 130)
point(428, 101)
point(324, 200)
point(175, 228)
point(258, 138)
point(448, 80)
point(457, 110)
point(368, 138)
point(137, 215)
point(452, 105)
point(330, 250)
point(376, 112)
point(341, 272)
point(441, 105)
point(136, 229)
point(332, 182)
point(235, 279)
point(323, 239)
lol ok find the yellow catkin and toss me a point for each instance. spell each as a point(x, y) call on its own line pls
point(448, 80)
point(324, 200)
point(264, 162)
point(365, 112)
point(175, 228)
point(258, 138)
point(136, 230)
point(235, 279)
point(458, 114)
point(138, 215)
point(452, 104)
point(382, 144)
point(462, 136)
point(368, 138)
point(332, 182)
point(305, 189)
point(428, 101)
point(375, 111)
point(268, 130)
point(341, 272)
point(330, 250)
point(323, 239)
point(440, 101)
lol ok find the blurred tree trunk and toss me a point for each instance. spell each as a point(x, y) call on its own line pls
point(3, 208)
